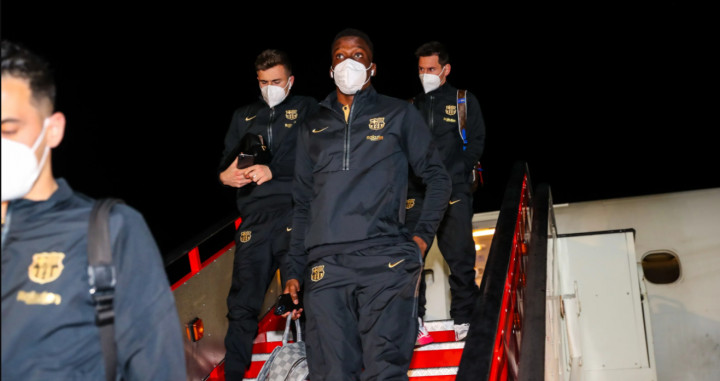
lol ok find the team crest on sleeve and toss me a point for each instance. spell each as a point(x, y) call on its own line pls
point(451, 109)
point(245, 236)
point(291, 114)
point(317, 273)
point(46, 267)
point(377, 123)
point(409, 203)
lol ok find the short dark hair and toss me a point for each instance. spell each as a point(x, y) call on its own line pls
point(18, 61)
point(433, 48)
point(272, 57)
point(351, 32)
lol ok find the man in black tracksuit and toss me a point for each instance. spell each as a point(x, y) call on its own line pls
point(49, 329)
point(264, 200)
point(439, 107)
point(358, 264)
point(48, 321)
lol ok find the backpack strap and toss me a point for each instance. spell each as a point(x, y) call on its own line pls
point(462, 122)
point(462, 114)
point(102, 279)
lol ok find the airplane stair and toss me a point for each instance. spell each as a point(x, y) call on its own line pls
point(439, 360)
point(508, 318)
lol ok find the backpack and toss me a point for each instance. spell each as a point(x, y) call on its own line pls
point(102, 279)
point(288, 361)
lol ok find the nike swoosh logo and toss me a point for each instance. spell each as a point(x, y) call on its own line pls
point(320, 130)
point(288, 229)
point(453, 202)
point(249, 118)
point(391, 265)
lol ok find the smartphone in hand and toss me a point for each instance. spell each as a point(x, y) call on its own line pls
point(245, 160)
point(285, 304)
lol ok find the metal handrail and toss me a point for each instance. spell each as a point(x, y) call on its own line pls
point(492, 350)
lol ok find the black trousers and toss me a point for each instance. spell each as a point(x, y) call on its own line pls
point(457, 247)
point(361, 313)
point(262, 241)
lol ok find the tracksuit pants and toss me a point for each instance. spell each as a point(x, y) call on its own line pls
point(457, 246)
point(361, 313)
point(262, 240)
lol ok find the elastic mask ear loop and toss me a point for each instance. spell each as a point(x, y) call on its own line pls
point(37, 143)
point(287, 87)
point(372, 72)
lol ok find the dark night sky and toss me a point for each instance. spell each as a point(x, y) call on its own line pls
point(602, 101)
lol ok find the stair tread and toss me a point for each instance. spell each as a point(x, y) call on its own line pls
point(438, 371)
point(439, 325)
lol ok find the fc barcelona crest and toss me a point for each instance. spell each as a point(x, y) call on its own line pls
point(409, 203)
point(451, 109)
point(245, 236)
point(291, 114)
point(46, 267)
point(377, 124)
point(318, 272)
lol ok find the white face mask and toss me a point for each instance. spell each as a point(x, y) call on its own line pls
point(431, 82)
point(20, 167)
point(273, 95)
point(350, 76)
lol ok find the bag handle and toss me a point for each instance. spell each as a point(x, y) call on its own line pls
point(286, 335)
